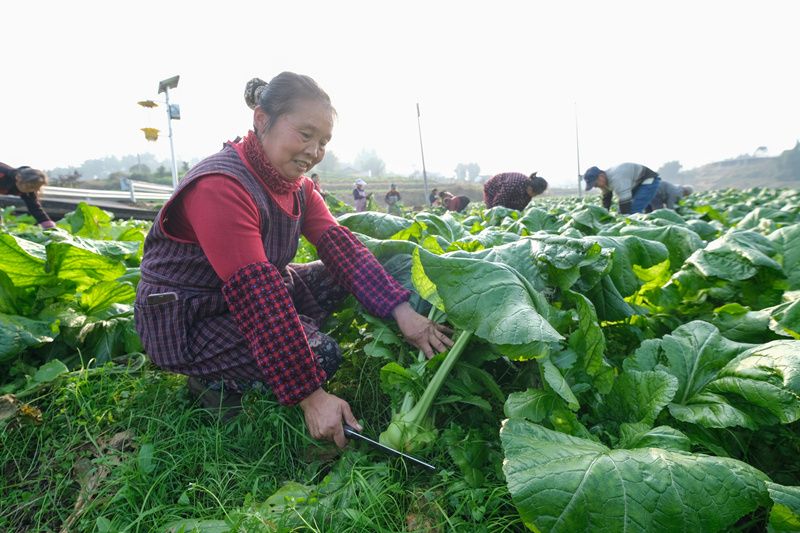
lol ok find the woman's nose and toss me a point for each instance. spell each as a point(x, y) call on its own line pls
point(313, 149)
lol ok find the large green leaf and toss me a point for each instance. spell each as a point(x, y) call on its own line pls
point(706, 230)
point(641, 435)
point(487, 238)
point(535, 219)
point(496, 215)
point(556, 381)
point(12, 299)
point(375, 225)
point(80, 265)
point(590, 344)
point(712, 411)
point(629, 251)
point(785, 319)
point(518, 255)
point(533, 404)
point(101, 296)
point(118, 250)
point(735, 256)
point(487, 298)
point(787, 240)
point(386, 249)
point(571, 262)
point(664, 217)
point(738, 323)
point(785, 513)
point(694, 353)
point(723, 383)
point(88, 221)
point(23, 261)
point(18, 333)
point(764, 218)
point(767, 377)
point(680, 241)
point(103, 340)
point(564, 483)
point(608, 302)
point(444, 225)
point(589, 219)
point(50, 371)
point(639, 396)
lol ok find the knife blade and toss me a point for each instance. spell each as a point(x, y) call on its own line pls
point(351, 433)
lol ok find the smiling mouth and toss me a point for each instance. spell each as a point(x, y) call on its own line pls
point(305, 165)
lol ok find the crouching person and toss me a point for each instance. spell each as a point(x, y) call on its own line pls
point(218, 299)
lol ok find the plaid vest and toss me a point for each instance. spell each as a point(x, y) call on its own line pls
point(172, 266)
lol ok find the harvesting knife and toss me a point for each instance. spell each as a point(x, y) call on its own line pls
point(351, 433)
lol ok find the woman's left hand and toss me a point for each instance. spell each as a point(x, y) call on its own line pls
point(428, 336)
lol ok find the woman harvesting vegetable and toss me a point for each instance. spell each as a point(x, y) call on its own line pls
point(25, 182)
point(512, 190)
point(218, 299)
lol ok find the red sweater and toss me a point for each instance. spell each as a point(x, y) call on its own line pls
point(217, 210)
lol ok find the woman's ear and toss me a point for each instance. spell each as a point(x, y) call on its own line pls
point(260, 121)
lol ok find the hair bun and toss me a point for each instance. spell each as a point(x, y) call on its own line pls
point(253, 91)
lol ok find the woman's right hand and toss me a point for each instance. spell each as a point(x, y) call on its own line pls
point(325, 413)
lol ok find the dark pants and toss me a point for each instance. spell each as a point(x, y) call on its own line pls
point(643, 195)
point(227, 360)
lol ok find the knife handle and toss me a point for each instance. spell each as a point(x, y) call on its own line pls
point(350, 432)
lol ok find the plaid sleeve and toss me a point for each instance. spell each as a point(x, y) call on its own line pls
point(262, 308)
point(355, 268)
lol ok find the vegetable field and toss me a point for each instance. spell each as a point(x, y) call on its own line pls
point(610, 373)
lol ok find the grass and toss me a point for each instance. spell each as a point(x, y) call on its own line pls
point(130, 452)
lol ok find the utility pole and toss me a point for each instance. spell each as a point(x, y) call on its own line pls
point(422, 151)
point(578, 150)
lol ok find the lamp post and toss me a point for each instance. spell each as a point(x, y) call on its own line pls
point(173, 112)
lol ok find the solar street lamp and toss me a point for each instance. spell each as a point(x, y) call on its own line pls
point(173, 113)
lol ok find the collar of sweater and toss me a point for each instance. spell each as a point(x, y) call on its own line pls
point(265, 171)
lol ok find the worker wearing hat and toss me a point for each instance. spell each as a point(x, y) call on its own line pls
point(635, 185)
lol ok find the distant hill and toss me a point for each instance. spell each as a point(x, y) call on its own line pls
point(745, 171)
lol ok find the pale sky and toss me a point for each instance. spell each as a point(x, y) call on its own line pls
point(498, 82)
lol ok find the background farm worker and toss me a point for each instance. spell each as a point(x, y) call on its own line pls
point(25, 182)
point(635, 185)
point(392, 200)
point(668, 195)
point(453, 203)
point(360, 195)
point(317, 184)
point(433, 197)
point(513, 190)
point(218, 299)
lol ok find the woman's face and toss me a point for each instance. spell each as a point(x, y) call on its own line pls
point(296, 141)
